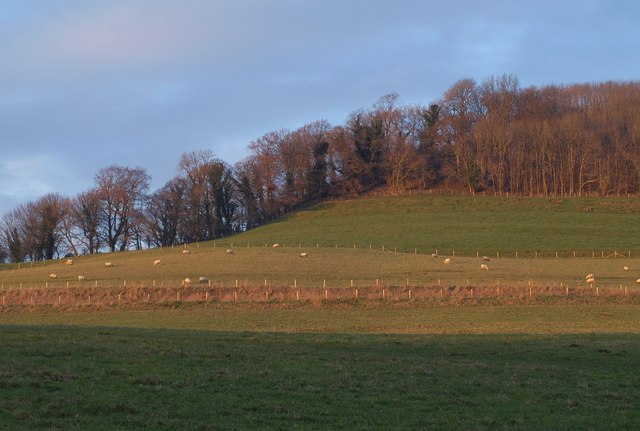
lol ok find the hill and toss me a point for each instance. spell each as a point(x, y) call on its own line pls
point(345, 243)
point(464, 224)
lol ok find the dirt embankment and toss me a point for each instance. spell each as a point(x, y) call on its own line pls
point(441, 295)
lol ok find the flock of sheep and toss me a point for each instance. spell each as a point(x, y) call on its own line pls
point(590, 278)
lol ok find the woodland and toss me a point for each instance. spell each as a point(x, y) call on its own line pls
point(493, 136)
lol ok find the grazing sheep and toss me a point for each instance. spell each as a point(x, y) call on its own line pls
point(447, 260)
point(186, 282)
point(626, 268)
point(108, 264)
point(485, 259)
point(229, 251)
point(203, 280)
point(156, 262)
point(81, 278)
point(638, 281)
point(591, 279)
point(53, 276)
point(276, 245)
point(484, 266)
point(185, 251)
point(69, 262)
point(434, 255)
point(303, 254)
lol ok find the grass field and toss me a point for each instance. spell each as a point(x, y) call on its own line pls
point(415, 226)
point(345, 364)
point(78, 378)
point(466, 224)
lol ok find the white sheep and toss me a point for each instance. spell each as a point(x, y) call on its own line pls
point(626, 268)
point(485, 258)
point(590, 276)
point(53, 276)
point(276, 245)
point(108, 264)
point(591, 280)
point(203, 280)
point(69, 262)
point(156, 262)
point(186, 282)
point(229, 251)
point(434, 255)
point(81, 278)
point(185, 251)
point(638, 281)
point(303, 254)
point(447, 261)
point(484, 266)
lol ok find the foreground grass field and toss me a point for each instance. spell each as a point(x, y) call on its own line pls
point(78, 378)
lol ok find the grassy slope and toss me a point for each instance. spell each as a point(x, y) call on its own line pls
point(470, 225)
point(466, 224)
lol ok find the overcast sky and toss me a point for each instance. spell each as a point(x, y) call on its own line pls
point(89, 83)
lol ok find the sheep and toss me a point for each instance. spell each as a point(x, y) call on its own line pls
point(156, 262)
point(590, 276)
point(303, 254)
point(638, 281)
point(626, 268)
point(185, 251)
point(591, 279)
point(447, 261)
point(484, 266)
point(276, 245)
point(203, 280)
point(53, 276)
point(485, 259)
point(69, 262)
point(229, 251)
point(108, 264)
point(434, 255)
point(81, 278)
point(186, 282)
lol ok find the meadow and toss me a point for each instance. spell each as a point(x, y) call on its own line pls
point(345, 364)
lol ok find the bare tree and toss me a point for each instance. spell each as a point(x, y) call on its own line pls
point(120, 190)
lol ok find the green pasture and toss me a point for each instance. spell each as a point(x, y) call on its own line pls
point(352, 316)
point(389, 240)
point(464, 224)
point(323, 267)
point(103, 378)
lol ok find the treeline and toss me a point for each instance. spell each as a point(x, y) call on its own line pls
point(555, 140)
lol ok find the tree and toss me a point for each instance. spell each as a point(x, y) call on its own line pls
point(164, 210)
point(120, 191)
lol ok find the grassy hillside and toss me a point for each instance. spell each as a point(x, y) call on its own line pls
point(417, 225)
point(466, 224)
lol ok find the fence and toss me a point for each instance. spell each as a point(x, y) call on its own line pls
point(134, 295)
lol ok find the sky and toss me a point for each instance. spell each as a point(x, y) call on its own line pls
point(85, 84)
